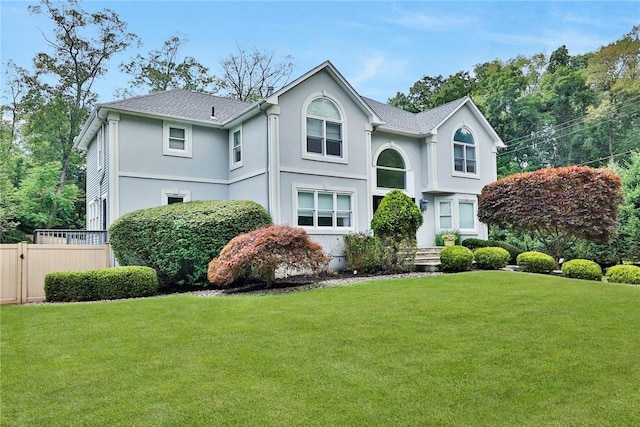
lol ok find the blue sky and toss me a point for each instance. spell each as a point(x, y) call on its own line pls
point(381, 47)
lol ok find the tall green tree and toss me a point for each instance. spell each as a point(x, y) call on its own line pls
point(430, 92)
point(614, 71)
point(166, 68)
point(60, 92)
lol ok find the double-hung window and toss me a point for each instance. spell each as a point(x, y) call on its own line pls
point(324, 129)
point(464, 152)
point(235, 144)
point(177, 140)
point(324, 209)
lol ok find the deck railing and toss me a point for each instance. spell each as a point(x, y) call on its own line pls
point(70, 237)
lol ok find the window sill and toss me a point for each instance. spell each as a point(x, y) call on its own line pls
point(465, 175)
point(175, 153)
point(336, 231)
point(327, 159)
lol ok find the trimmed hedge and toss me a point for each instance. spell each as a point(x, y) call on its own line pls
point(180, 239)
point(473, 243)
point(100, 284)
point(624, 274)
point(582, 269)
point(514, 251)
point(491, 258)
point(456, 258)
point(535, 262)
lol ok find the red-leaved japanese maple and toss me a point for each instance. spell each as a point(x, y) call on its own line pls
point(263, 251)
point(555, 204)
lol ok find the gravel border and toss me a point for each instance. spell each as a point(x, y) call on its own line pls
point(331, 283)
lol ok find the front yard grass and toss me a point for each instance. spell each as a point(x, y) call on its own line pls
point(478, 348)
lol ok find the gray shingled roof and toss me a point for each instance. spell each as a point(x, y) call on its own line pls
point(190, 105)
point(421, 122)
point(179, 103)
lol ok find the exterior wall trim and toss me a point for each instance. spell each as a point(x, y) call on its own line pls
point(162, 177)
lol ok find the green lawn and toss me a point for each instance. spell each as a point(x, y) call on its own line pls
point(473, 349)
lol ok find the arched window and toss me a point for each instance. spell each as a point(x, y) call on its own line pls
point(391, 172)
point(464, 151)
point(324, 128)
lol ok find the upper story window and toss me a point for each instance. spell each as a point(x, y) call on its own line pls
point(464, 152)
point(324, 128)
point(391, 171)
point(177, 140)
point(100, 148)
point(235, 145)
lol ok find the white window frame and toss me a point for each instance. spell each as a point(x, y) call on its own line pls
point(335, 193)
point(464, 174)
point(93, 214)
point(232, 158)
point(408, 174)
point(166, 193)
point(166, 149)
point(343, 130)
point(455, 213)
point(100, 149)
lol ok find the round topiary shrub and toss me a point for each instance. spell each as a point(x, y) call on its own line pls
point(535, 262)
point(582, 269)
point(455, 258)
point(491, 258)
point(180, 239)
point(624, 274)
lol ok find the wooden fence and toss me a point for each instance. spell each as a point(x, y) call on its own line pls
point(24, 266)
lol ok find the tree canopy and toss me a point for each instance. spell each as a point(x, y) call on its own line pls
point(555, 204)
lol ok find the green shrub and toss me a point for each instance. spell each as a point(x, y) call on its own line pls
point(106, 283)
point(395, 223)
point(535, 262)
point(514, 251)
point(456, 258)
point(473, 243)
point(582, 269)
point(397, 217)
point(624, 274)
point(363, 252)
point(491, 258)
point(440, 237)
point(180, 239)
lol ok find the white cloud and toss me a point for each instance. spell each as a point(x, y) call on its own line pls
point(426, 22)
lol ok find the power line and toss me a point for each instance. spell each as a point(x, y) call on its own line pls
point(609, 157)
point(561, 126)
point(563, 135)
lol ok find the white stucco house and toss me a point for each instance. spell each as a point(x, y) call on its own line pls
point(316, 154)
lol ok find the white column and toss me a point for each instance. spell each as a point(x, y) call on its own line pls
point(369, 163)
point(273, 126)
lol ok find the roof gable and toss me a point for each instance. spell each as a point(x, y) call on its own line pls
point(339, 78)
